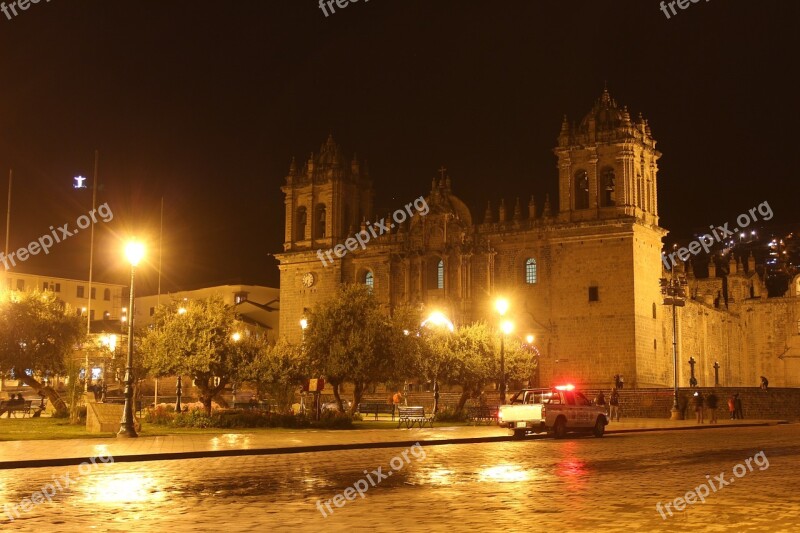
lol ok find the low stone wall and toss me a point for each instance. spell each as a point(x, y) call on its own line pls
point(772, 404)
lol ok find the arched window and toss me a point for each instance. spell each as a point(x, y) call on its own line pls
point(321, 219)
point(609, 185)
point(530, 271)
point(302, 220)
point(440, 274)
point(369, 279)
point(107, 295)
point(581, 190)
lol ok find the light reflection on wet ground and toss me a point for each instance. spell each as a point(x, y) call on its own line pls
point(606, 484)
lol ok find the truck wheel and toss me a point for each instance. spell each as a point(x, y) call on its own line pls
point(519, 433)
point(560, 429)
point(599, 427)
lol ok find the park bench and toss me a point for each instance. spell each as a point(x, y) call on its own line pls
point(482, 413)
point(15, 406)
point(375, 408)
point(413, 415)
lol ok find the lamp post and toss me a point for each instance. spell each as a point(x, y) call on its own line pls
point(134, 252)
point(438, 319)
point(692, 379)
point(532, 350)
point(178, 392)
point(502, 308)
point(674, 291)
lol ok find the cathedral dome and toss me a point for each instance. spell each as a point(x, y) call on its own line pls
point(605, 115)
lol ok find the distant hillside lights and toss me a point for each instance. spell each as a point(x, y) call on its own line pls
point(720, 234)
point(21, 4)
point(683, 4)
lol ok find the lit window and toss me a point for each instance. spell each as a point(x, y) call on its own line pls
point(440, 274)
point(369, 279)
point(530, 271)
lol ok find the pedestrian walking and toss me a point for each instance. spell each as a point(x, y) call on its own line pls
point(601, 401)
point(737, 402)
point(711, 403)
point(764, 383)
point(613, 402)
point(699, 407)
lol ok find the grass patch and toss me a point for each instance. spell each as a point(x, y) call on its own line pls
point(60, 428)
point(44, 429)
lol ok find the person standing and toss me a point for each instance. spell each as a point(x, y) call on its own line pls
point(711, 403)
point(601, 401)
point(732, 406)
point(613, 401)
point(699, 407)
point(764, 383)
point(738, 407)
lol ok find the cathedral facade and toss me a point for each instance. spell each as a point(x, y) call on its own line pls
point(581, 276)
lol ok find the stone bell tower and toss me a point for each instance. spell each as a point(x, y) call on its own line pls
point(607, 166)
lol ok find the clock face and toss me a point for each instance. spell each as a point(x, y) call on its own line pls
point(308, 279)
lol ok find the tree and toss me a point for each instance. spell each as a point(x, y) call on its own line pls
point(195, 339)
point(350, 338)
point(276, 369)
point(476, 364)
point(38, 332)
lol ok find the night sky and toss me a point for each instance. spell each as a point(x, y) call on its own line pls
point(204, 104)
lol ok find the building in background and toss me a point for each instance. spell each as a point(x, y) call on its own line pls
point(105, 306)
point(582, 276)
point(257, 306)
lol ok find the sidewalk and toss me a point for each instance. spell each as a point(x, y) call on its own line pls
point(41, 453)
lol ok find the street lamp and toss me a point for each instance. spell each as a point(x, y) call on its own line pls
point(674, 291)
point(501, 305)
point(506, 327)
point(134, 251)
point(437, 319)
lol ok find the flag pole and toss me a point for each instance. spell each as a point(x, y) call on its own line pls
point(160, 258)
point(8, 211)
point(91, 272)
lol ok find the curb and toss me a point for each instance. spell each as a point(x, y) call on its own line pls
point(169, 456)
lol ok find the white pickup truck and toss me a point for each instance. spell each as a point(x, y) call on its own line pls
point(556, 410)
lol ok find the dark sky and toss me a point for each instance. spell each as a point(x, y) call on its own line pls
point(204, 103)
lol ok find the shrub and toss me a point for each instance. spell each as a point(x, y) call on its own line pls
point(334, 420)
point(450, 415)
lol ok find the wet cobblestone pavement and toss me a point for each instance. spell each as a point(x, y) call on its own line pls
point(578, 484)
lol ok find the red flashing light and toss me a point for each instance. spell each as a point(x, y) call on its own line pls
point(565, 387)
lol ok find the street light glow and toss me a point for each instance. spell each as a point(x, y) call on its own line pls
point(507, 326)
point(236, 337)
point(529, 339)
point(134, 251)
point(303, 323)
point(437, 318)
point(501, 305)
point(182, 311)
